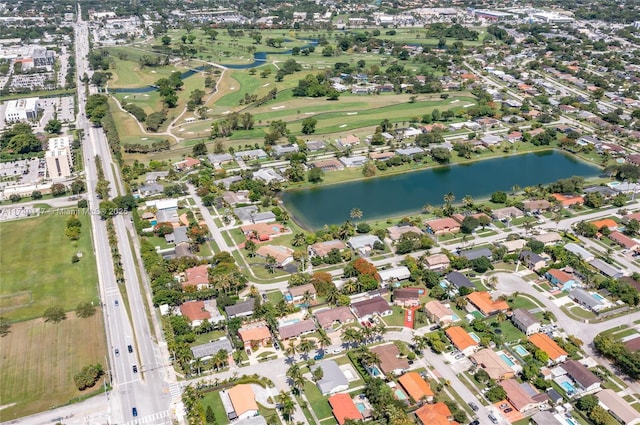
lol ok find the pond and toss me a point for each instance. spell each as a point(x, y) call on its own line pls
point(407, 193)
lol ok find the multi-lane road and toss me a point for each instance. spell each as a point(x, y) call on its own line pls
point(137, 363)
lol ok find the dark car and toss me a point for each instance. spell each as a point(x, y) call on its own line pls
point(476, 422)
point(508, 410)
point(117, 352)
point(117, 303)
point(473, 406)
point(134, 412)
point(318, 357)
point(135, 369)
point(130, 348)
point(276, 346)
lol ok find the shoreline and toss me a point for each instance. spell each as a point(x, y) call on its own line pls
point(299, 222)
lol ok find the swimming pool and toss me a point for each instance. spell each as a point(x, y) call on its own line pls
point(375, 371)
point(568, 387)
point(507, 360)
point(570, 421)
point(475, 337)
point(361, 407)
point(454, 317)
point(400, 395)
point(521, 350)
point(597, 296)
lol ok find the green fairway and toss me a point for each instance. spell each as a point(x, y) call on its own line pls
point(36, 266)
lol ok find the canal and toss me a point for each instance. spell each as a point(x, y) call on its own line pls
point(407, 193)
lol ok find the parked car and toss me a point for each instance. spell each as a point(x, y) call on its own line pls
point(134, 412)
point(318, 357)
point(135, 369)
point(130, 348)
point(117, 352)
point(508, 410)
point(492, 418)
point(473, 406)
point(117, 303)
point(276, 346)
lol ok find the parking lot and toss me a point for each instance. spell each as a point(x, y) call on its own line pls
point(24, 172)
point(64, 106)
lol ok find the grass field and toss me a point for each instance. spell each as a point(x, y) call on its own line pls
point(41, 264)
point(40, 359)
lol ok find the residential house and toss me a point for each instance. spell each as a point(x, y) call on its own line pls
point(439, 314)
point(416, 387)
point(348, 141)
point(333, 379)
point(394, 274)
point(442, 226)
point(382, 156)
point(322, 249)
point(488, 360)
point(210, 349)
point(585, 299)
point(473, 254)
point(624, 241)
point(282, 254)
point(435, 414)
point(178, 236)
point(491, 140)
point(437, 262)
point(483, 302)
point(150, 189)
point(363, 243)
point(532, 260)
point(606, 268)
point(331, 164)
point(581, 375)
point(632, 344)
point(241, 309)
point(407, 297)
point(334, 316)
point(255, 334)
point(228, 181)
point(218, 159)
point(154, 176)
point(186, 164)
point(281, 150)
point(370, 307)
point(506, 212)
point(268, 175)
point(545, 417)
point(537, 206)
point(525, 321)
point(514, 245)
point(245, 214)
point(410, 152)
point(296, 329)
point(262, 232)
point(263, 217)
point(545, 343)
point(549, 238)
point(353, 161)
point(396, 232)
point(523, 396)
point(561, 279)
point(197, 276)
point(390, 360)
point(459, 280)
point(568, 200)
point(343, 408)
point(297, 294)
point(462, 340)
point(607, 222)
point(195, 312)
point(315, 145)
point(618, 407)
point(514, 136)
point(243, 400)
point(252, 154)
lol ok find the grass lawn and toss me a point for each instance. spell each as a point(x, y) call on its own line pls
point(213, 399)
point(269, 414)
point(40, 359)
point(209, 336)
point(509, 332)
point(318, 402)
point(582, 313)
point(522, 301)
point(397, 318)
point(39, 266)
point(274, 297)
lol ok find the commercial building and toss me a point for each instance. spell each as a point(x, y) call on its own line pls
point(21, 109)
point(59, 158)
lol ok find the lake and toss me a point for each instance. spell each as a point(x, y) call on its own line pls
point(406, 193)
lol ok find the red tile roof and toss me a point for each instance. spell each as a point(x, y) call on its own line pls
point(344, 408)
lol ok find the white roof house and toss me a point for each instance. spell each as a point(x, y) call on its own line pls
point(395, 273)
point(579, 251)
point(363, 242)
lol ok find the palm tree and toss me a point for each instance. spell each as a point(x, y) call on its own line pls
point(350, 286)
point(448, 200)
point(271, 263)
point(307, 297)
point(291, 349)
point(460, 302)
point(527, 225)
point(305, 346)
point(351, 336)
point(299, 239)
point(323, 339)
point(332, 295)
point(493, 281)
point(356, 213)
point(295, 375)
point(286, 405)
point(426, 208)
point(197, 365)
point(515, 189)
point(501, 317)
point(467, 201)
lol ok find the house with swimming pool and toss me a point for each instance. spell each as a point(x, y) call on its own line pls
point(462, 340)
point(343, 408)
point(486, 305)
point(390, 360)
point(493, 364)
point(578, 379)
